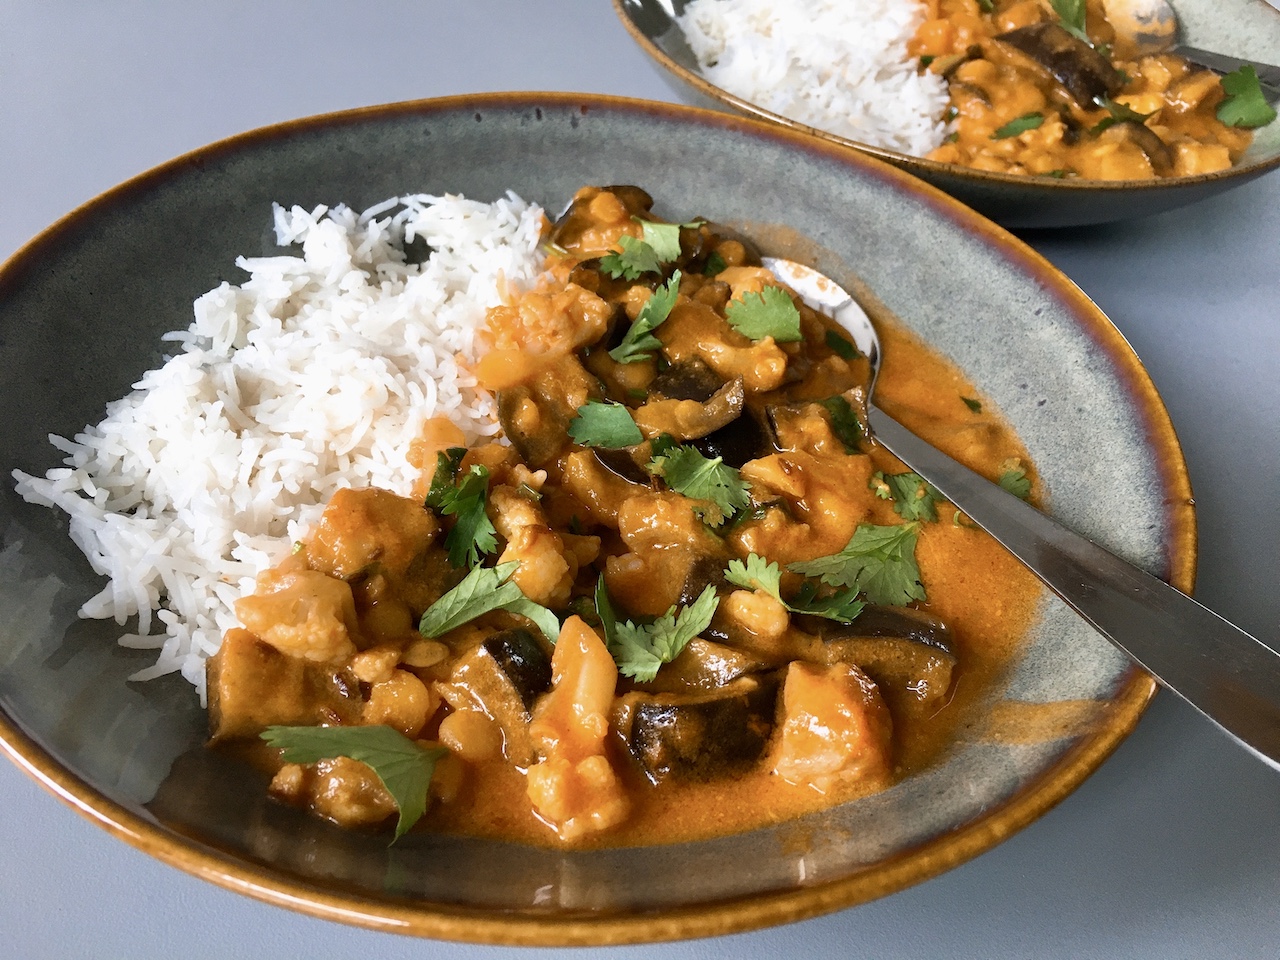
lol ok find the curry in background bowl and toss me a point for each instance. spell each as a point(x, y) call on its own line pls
point(1053, 119)
point(133, 756)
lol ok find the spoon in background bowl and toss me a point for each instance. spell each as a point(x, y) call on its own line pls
point(1151, 26)
point(1229, 676)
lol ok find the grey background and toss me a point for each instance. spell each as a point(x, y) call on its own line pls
point(1170, 850)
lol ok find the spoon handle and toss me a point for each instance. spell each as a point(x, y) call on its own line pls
point(1229, 676)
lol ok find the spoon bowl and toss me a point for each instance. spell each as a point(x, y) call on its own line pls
point(1226, 674)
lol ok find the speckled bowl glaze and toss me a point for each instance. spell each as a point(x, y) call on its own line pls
point(1241, 28)
point(82, 308)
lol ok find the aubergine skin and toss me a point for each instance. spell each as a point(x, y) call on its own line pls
point(522, 661)
point(704, 737)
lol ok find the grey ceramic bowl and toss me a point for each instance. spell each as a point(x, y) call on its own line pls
point(81, 310)
point(1241, 28)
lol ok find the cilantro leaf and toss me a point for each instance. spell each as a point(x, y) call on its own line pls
point(1071, 17)
point(1117, 112)
point(1028, 121)
point(758, 574)
point(403, 767)
point(603, 424)
point(445, 477)
point(1014, 479)
point(473, 533)
point(878, 561)
point(636, 257)
point(769, 313)
point(913, 498)
point(972, 404)
point(1244, 105)
point(664, 238)
point(640, 650)
point(715, 264)
point(482, 590)
point(688, 472)
point(639, 341)
point(842, 347)
point(844, 422)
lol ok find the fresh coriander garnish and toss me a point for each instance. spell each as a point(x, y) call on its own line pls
point(445, 477)
point(987, 6)
point(879, 562)
point(635, 258)
point(950, 115)
point(913, 498)
point(664, 238)
point(640, 650)
point(639, 341)
point(482, 590)
point(1014, 479)
point(972, 404)
point(926, 60)
point(1028, 121)
point(1071, 17)
point(403, 767)
point(473, 533)
point(844, 422)
point(769, 313)
point(688, 472)
point(604, 424)
point(756, 573)
point(951, 137)
point(842, 346)
point(714, 265)
point(1244, 105)
point(1116, 112)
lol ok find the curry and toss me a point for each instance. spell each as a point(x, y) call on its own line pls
point(683, 594)
point(1037, 93)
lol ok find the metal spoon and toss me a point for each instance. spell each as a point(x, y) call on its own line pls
point(1152, 27)
point(1230, 677)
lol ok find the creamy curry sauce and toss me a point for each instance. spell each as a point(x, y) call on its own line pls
point(573, 751)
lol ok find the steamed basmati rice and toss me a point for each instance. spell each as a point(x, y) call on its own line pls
point(838, 65)
point(314, 374)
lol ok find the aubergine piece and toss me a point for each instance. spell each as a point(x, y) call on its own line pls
point(699, 737)
point(719, 410)
point(1086, 74)
point(846, 413)
point(1149, 142)
point(503, 676)
point(523, 661)
point(908, 653)
point(252, 686)
point(535, 416)
point(703, 572)
point(686, 380)
point(745, 438)
point(704, 665)
point(621, 464)
point(574, 219)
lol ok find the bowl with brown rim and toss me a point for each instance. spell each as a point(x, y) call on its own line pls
point(112, 276)
point(1241, 28)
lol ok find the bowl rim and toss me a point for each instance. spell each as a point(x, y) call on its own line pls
point(1134, 690)
point(929, 167)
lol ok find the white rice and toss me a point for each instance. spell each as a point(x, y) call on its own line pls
point(838, 65)
point(314, 374)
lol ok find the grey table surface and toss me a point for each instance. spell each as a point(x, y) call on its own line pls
point(1170, 850)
